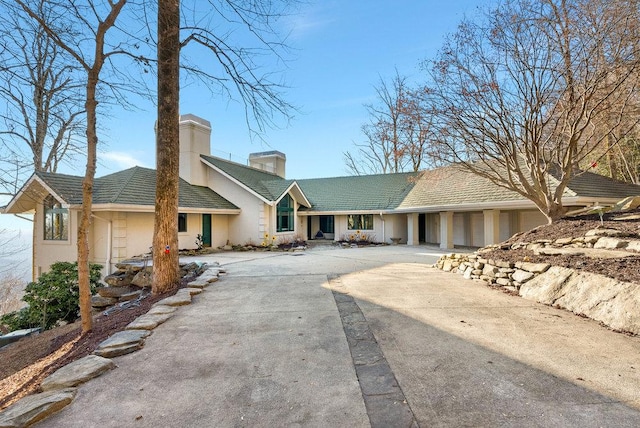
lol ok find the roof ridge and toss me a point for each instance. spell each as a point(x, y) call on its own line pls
point(275, 176)
point(388, 174)
point(58, 174)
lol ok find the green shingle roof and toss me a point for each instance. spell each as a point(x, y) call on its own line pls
point(444, 186)
point(354, 193)
point(358, 193)
point(589, 184)
point(452, 185)
point(269, 186)
point(68, 187)
point(133, 186)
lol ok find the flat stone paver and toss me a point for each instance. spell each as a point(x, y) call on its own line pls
point(79, 371)
point(121, 343)
point(36, 407)
point(385, 401)
point(266, 346)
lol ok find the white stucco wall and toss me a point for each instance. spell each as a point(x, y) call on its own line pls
point(252, 223)
point(395, 227)
point(45, 253)
point(132, 234)
point(477, 229)
point(459, 233)
point(219, 230)
point(509, 224)
point(432, 228)
point(376, 234)
point(530, 219)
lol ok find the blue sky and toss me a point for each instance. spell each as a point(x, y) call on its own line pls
point(341, 49)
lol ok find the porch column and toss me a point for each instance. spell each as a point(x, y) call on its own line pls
point(446, 230)
point(491, 227)
point(413, 237)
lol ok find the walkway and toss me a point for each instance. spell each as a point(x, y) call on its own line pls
point(364, 337)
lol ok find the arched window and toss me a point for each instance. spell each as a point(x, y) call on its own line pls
point(284, 211)
point(56, 220)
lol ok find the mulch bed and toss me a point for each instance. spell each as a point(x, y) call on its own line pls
point(29, 350)
point(624, 269)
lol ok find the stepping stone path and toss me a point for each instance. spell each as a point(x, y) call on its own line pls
point(59, 388)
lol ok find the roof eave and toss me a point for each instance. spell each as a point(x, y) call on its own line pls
point(238, 182)
point(307, 213)
point(477, 206)
point(11, 207)
point(298, 193)
point(151, 209)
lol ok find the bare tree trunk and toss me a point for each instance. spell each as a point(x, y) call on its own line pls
point(165, 236)
point(87, 199)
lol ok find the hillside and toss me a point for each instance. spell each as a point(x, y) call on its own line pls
point(623, 269)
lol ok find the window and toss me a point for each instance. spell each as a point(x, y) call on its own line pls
point(326, 223)
point(182, 222)
point(360, 222)
point(56, 220)
point(284, 211)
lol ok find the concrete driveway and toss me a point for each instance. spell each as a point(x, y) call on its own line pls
point(364, 337)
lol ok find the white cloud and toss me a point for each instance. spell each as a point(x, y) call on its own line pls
point(305, 22)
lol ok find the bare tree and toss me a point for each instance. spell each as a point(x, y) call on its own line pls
point(384, 150)
point(43, 100)
point(235, 49)
point(523, 96)
point(13, 268)
point(230, 67)
point(399, 134)
point(80, 29)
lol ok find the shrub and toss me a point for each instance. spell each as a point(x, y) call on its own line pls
point(53, 297)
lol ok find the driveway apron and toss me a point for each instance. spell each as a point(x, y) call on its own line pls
point(270, 344)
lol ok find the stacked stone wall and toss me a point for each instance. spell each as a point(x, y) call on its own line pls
point(614, 303)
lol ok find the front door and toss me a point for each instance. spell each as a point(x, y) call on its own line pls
point(326, 226)
point(206, 230)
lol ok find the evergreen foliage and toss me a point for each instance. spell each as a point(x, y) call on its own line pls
point(53, 297)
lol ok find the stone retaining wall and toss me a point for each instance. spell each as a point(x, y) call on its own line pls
point(614, 303)
point(132, 280)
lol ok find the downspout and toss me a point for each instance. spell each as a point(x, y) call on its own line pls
point(109, 239)
point(383, 237)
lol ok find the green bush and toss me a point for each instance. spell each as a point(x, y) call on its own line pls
point(52, 298)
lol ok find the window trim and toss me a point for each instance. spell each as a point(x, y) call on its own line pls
point(286, 210)
point(185, 222)
point(361, 223)
point(59, 220)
